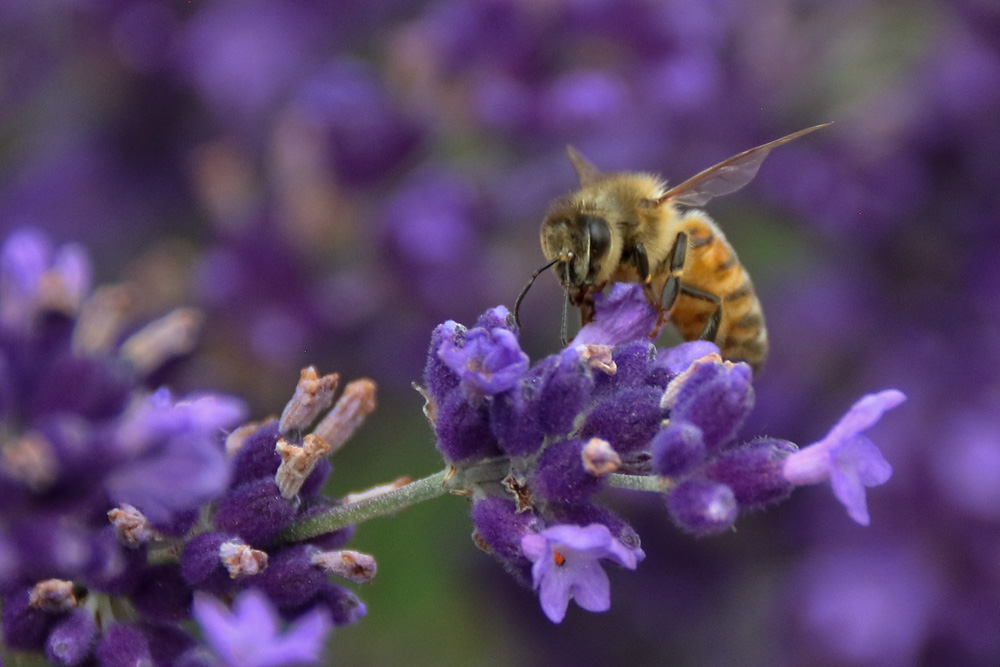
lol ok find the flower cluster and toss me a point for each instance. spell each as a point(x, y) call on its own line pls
point(612, 409)
point(122, 506)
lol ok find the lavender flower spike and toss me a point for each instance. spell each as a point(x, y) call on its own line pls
point(845, 457)
point(566, 566)
point(248, 635)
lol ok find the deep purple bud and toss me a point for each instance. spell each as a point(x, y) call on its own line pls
point(166, 642)
point(256, 459)
point(560, 477)
point(123, 646)
point(291, 579)
point(514, 420)
point(113, 568)
point(316, 479)
point(628, 419)
point(702, 508)
point(25, 627)
point(716, 397)
point(499, 527)
point(678, 448)
point(754, 472)
point(201, 564)
point(633, 363)
point(498, 317)
point(677, 359)
point(562, 393)
point(254, 511)
point(463, 430)
point(72, 639)
point(162, 595)
point(344, 606)
point(439, 379)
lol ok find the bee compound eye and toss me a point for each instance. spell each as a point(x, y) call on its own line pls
point(599, 232)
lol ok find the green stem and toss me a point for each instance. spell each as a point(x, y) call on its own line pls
point(449, 480)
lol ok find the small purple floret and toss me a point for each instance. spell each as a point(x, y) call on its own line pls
point(488, 361)
point(845, 457)
point(249, 636)
point(566, 566)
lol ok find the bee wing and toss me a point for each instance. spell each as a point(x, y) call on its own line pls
point(586, 172)
point(727, 176)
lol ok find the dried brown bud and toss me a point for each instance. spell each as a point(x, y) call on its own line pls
point(53, 595)
point(351, 565)
point(313, 395)
point(356, 403)
point(131, 526)
point(242, 560)
point(599, 458)
point(297, 462)
point(173, 335)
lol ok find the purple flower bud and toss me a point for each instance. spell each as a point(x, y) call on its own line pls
point(754, 472)
point(162, 595)
point(499, 527)
point(463, 430)
point(256, 458)
point(166, 642)
point(344, 606)
point(25, 627)
point(677, 359)
point(702, 508)
point(627, 419)
point(290, 578)
point(201, 563)
point(113, 568)
point(487, 362)
point(623, 316)
point(497, 317)
point(439, 379)
point(632, 361)
point(514, 420)
point(677, 448)
point(560, 477)
point(714, 396)
point(123, 645)
point(72, 639)
point(254, 511)
point(562, 392)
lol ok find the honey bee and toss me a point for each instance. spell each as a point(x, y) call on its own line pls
point(629, 227)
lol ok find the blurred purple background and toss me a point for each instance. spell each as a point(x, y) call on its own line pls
point(329, 180)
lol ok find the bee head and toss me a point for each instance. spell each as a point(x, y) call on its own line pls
point(578, 243)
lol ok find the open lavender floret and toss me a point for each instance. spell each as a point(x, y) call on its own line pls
point(611, 409)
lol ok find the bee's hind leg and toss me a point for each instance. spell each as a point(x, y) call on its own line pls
point(711, 330)
point(674, 287)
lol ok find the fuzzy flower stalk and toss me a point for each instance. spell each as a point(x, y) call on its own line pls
point(125, 509)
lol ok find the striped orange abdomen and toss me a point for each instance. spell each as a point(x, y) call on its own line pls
point(711, 265)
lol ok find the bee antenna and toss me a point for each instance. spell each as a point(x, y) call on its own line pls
point(520, 297)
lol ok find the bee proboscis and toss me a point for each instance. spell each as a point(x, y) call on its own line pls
point(630, 227)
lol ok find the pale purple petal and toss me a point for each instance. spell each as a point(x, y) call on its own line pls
point(592, 590)
point(866, 412)
point(623, 316)
point(248, 635)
